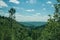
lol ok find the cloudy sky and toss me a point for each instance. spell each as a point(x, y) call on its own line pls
point(28, 10)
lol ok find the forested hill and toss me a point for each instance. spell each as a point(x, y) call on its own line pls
point(15, 31)
point(12, 30)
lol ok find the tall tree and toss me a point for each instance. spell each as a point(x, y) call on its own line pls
point(12, 12)
point(57, 11)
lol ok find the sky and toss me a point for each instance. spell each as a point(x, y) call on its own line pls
point(28, 10)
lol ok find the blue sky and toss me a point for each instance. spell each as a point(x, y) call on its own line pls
point(28, 10)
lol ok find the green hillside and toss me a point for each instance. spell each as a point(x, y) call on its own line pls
point(16, 32)
point(50, 31)
point(10, 29)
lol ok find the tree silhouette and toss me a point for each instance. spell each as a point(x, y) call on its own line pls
point(11, 16)
point(12, 12)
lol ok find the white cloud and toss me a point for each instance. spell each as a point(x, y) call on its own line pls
point(49, 2)
point(31, 1)
point(16, 7)
point(30, 10)
point(27, 1)
point(37, 14)
point(44, 9)
point(43, 4)
point(1, 10)
point(14, 1)
point(23, 9)
point(52, 6)
point(6, 15)
point(3, 4)
point(36, 17)
point(2, 13)
point(26, 18)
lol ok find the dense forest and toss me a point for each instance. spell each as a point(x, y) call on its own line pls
point(10, 29)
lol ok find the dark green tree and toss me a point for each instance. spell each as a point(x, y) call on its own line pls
point(12, 16)
point(51, 31)
point(12, 12)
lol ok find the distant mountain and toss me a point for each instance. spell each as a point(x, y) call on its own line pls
point(33, 23)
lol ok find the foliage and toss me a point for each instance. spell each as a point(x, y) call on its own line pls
point(50, 31)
